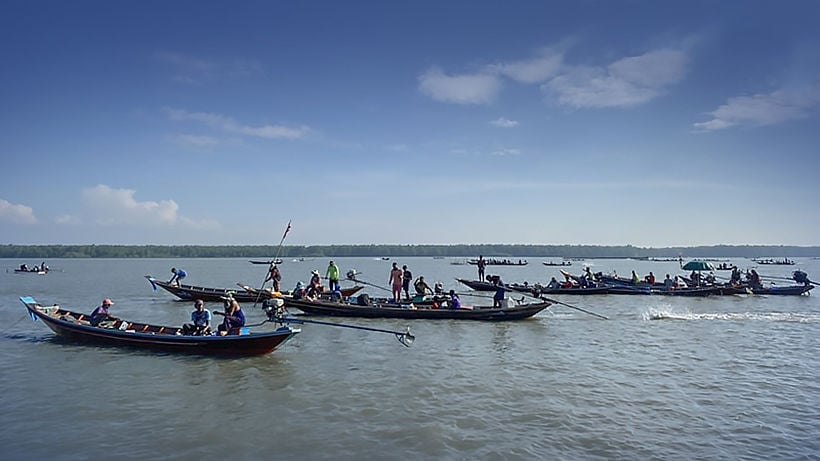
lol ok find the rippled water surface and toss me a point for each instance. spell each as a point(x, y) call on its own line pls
point(664, 378)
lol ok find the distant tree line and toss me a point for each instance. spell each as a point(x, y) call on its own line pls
point(456, 251)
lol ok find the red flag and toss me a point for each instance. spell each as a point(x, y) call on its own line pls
point(286, 231)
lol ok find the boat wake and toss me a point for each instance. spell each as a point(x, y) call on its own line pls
point(668, 314)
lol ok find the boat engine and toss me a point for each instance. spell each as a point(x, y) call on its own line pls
point(274, 309)
point(801, 277)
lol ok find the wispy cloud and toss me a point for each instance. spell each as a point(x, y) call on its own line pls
point(230, 125)
point(194, 141)
point(478, 88)
point(505, 152)
point(16, 214)
point(504, 123)
point(536, 70)
point(114, 207)
point(197, 71)
point(763, 109)
point(624, 83)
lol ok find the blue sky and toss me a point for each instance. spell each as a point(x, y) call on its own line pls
point(580, 122)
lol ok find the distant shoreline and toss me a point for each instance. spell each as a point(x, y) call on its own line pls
point(450, 251)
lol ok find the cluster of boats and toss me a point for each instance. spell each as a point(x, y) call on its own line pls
point(602, 284)
point(347, 302)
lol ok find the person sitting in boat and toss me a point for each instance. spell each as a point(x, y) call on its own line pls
point(101, 313)
point(454, 302)
point(200, 321)
point(680, 282)
point(24, 267)
point(438, 288)
point(553, 285)
point(179, 274)
point(754, 279)
point(494, 279)
point(668, 283)
point(299, 291)
point(650, 279)
point(635, 279)
point(422, 288)
point(734, 279)
point(234, 318)
point(315, 281)
point(43, 267)
point(695, 278)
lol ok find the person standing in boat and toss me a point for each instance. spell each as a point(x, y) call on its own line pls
point(395, 281)
point(274, 276)
point(498, 297)
point(734, 279)
point(179, 274)
point(200, 320)
point(482, 264)
point(332, 275)
point(406, 278)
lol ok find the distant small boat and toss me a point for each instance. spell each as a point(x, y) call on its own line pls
point(778, 262)
point(499, 262)
point(272, 261)
point(562, 263)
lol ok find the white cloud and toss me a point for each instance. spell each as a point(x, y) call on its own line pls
point(763, 109)
point(231, 126)
point(505, 152)
point(479, 88)
point(504, 123)
point(535, 70)
point(113, 207)
point(17, 214)
point(624, 83)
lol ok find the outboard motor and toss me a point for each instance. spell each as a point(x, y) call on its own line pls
point(801, 277)
point(274, 308)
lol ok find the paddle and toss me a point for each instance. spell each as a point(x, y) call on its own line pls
point(405, 338)
point(351, 275)
point(573, 307)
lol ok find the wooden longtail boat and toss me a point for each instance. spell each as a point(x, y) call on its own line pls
point(377, 310)
point(191, 292)
point(75, 326)
point(793, 290)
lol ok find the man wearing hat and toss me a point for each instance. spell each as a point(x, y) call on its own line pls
point(332, 275)
point(101, 312)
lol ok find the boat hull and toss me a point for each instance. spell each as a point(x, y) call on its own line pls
point(405, 312)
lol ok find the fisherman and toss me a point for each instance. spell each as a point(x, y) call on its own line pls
point(274, 276)
point(421, 286)
point(179, 274)
point(101, 313)
point(454, 302)
point(332, 275)
point(234, 318)
point(498, 297)
point(200, 321)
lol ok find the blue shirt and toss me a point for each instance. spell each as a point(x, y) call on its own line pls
point(201, 319)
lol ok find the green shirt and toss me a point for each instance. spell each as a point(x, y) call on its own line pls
point(332, 272)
